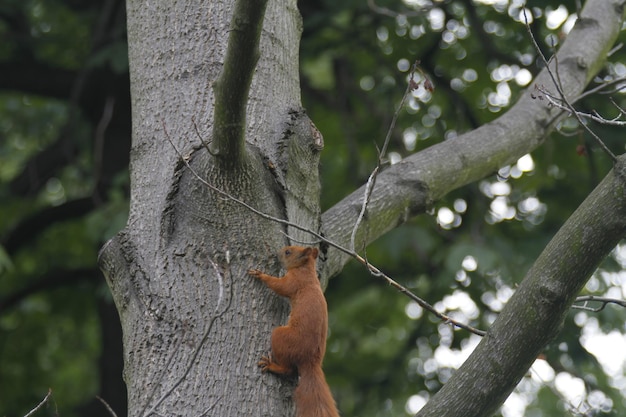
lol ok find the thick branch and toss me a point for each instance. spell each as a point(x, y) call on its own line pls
point(233, 85)
point(409, 187)
point(29, 228)
point(52, 279)
point(535, 313)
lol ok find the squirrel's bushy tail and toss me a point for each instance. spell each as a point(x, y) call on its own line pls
point(312, 395)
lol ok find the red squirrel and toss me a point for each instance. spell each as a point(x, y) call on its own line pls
point(299, 346)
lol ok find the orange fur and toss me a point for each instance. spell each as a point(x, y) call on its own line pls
point(299, 346)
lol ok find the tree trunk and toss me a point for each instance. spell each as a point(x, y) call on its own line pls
point(194, 323)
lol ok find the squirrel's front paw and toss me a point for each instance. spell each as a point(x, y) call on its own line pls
point(265, 363)
point(254, 273)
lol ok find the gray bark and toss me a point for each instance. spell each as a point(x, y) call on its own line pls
point(194, 323)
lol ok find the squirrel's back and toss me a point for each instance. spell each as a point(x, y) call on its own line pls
point(299, 346)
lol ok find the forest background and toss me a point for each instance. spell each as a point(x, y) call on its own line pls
point(65, 133)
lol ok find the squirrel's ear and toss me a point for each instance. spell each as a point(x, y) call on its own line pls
point(314, 252)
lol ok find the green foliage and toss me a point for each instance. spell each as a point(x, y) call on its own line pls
point(51, 340)
point(385, 354)
point(50, 333)
point(60, 36)
point(352, 84)
point(27, 125)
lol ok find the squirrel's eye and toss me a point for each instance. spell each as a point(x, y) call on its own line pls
point(287, 252)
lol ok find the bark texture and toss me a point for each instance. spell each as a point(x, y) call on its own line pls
point(194, 323)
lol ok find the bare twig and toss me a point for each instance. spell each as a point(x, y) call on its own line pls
point(604, 301)
point(619, 84)
point(41, 404)
point(106, 405)
point(558, 103)
point(195, 128)
point(371, 268)
point(371, 181)
point(615, 49)
point(621, 110)
point(557, 84)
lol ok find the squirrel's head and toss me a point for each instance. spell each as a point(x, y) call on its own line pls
point(294, 256)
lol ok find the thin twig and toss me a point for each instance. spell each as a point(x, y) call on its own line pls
point(595, 116)
point(615, 49)
point(598, 89)
point(592, 298)
point(106, 405)
point(557, 85)
point(371, 181)
point(41, 404)
point(195, 128)
point(371, 268)
point(621, 110)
